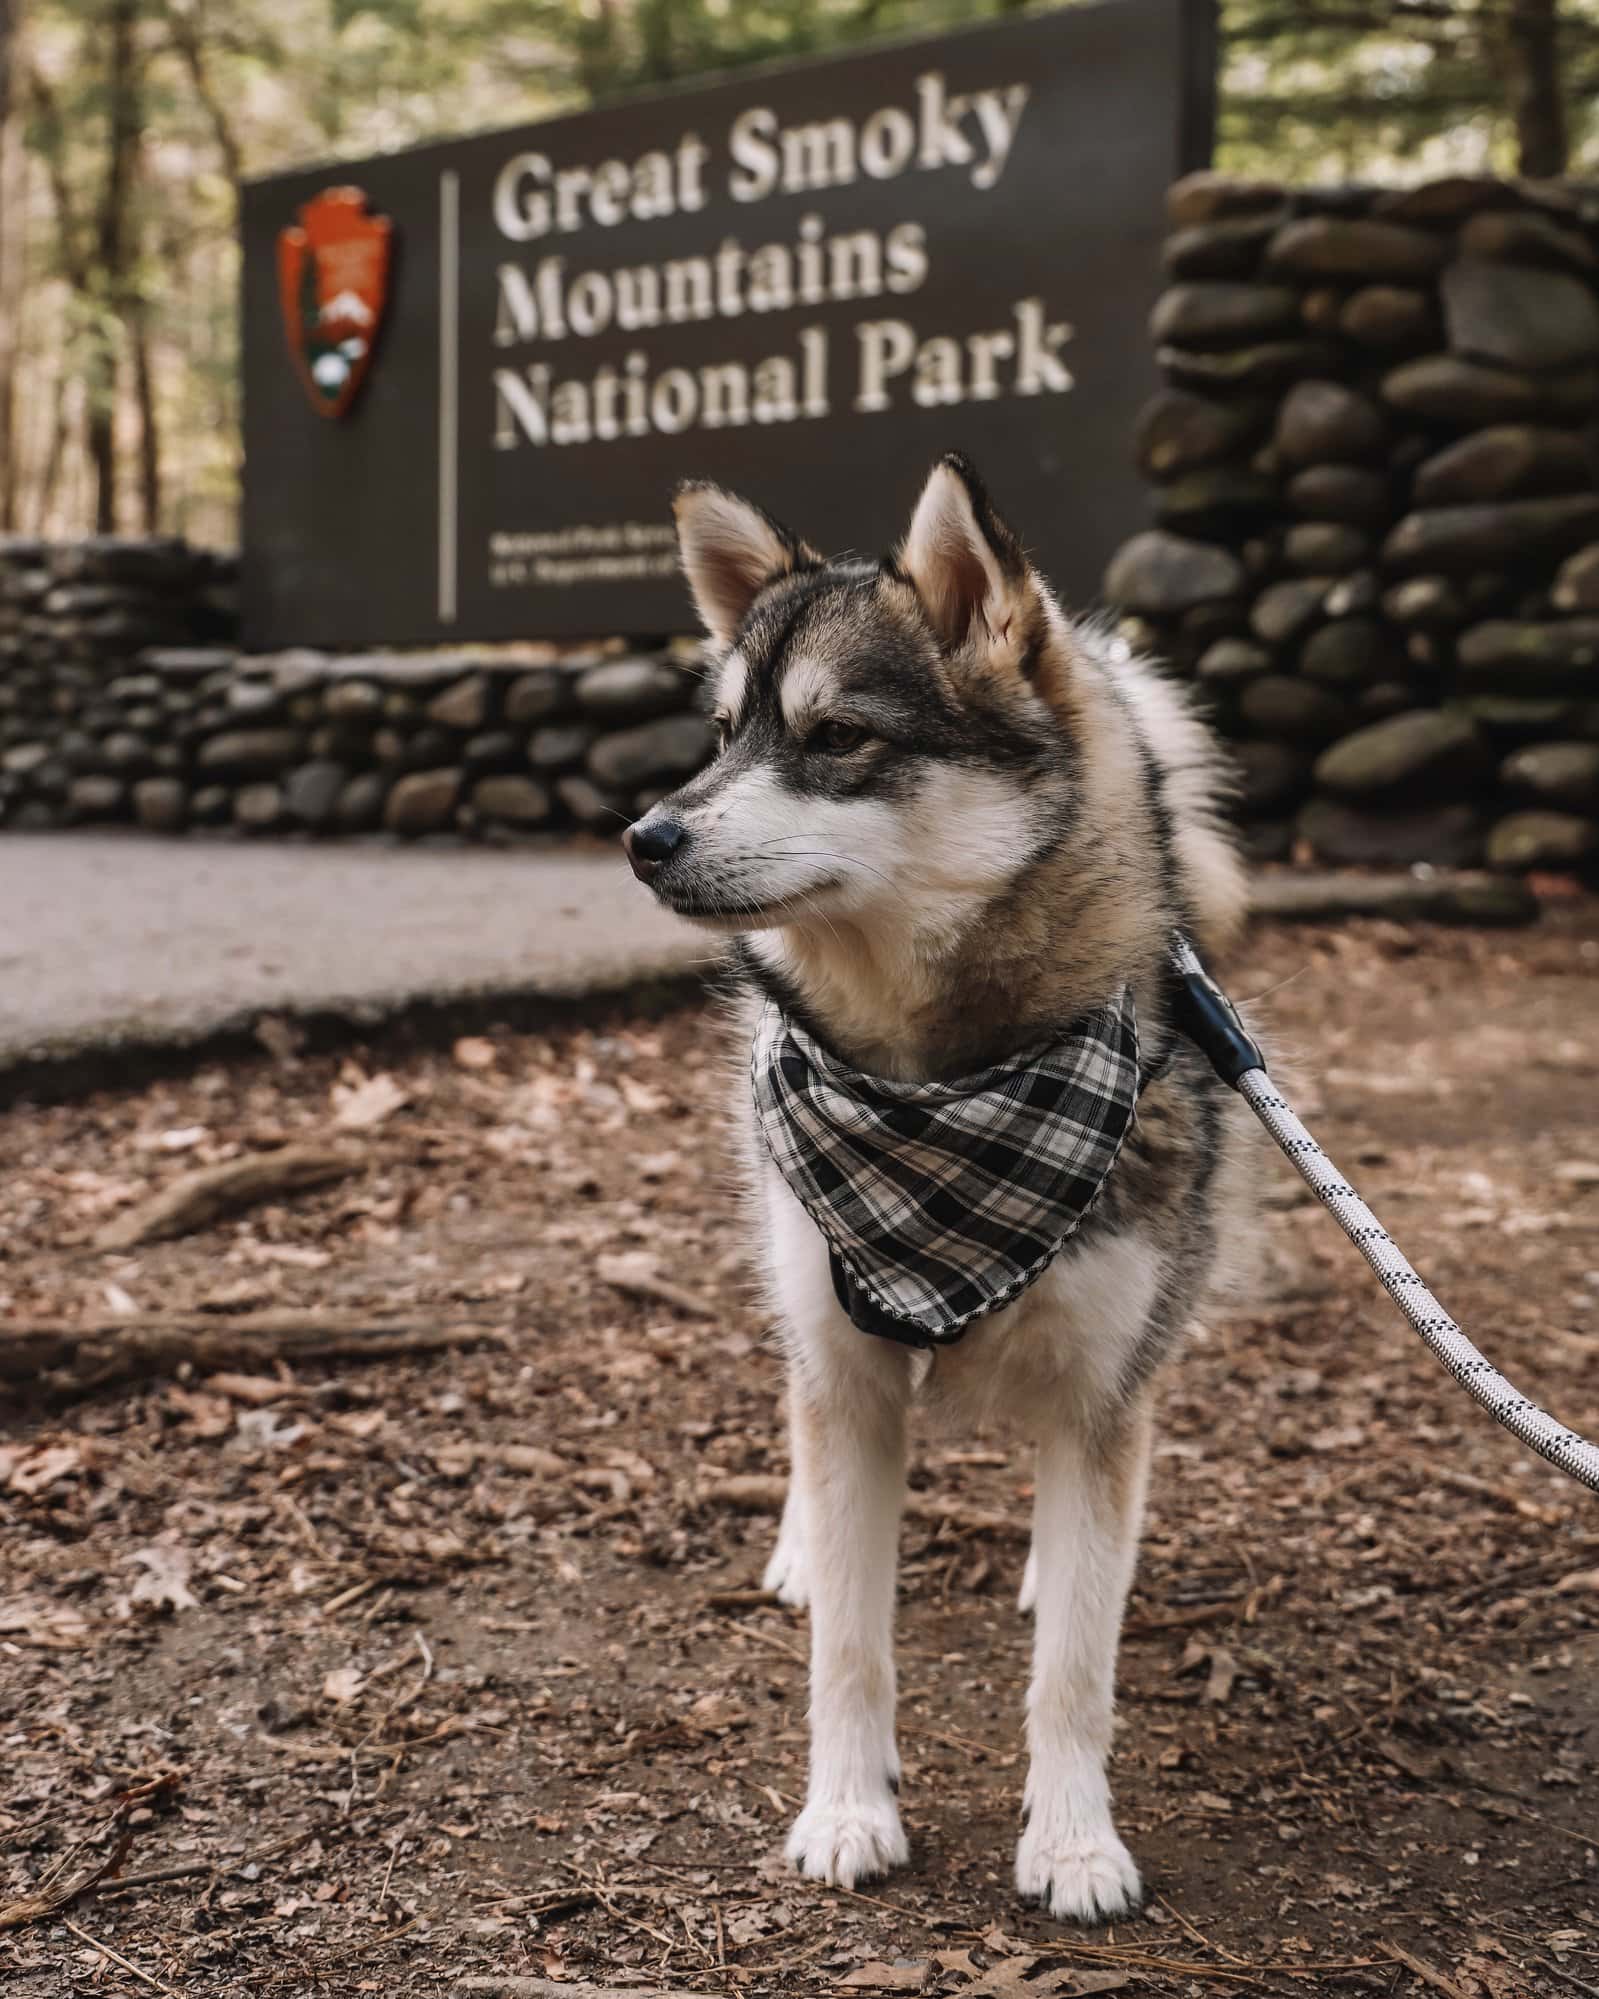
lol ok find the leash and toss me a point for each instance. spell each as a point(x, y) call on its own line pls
point(1209, 1019)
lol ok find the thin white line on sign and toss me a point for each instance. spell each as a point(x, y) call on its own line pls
point(449, 387)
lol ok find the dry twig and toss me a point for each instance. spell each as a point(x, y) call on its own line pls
point(64, 1357)
point(624, 1274)
point(55, 1896)
point(197, 1199)
point(1425, 1972)
point(115, 1957)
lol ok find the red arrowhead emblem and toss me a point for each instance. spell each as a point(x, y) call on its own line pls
point(333, 283)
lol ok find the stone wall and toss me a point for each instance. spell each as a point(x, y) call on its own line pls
point(122, 698)
point(1375, 469)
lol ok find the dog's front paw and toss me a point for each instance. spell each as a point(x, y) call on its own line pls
point(1081, 1879)
point(848, 1842)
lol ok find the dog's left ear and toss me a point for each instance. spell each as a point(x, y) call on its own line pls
point(967, 566)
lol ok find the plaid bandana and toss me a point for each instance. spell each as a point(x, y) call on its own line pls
point(943, 1201)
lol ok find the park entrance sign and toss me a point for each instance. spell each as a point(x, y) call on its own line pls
point(805, 283)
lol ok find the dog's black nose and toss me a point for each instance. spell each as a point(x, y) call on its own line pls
point(650, 842)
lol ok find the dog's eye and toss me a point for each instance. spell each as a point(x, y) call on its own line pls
point(836, 739)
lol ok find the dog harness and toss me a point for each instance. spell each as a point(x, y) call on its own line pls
point(941, 1202)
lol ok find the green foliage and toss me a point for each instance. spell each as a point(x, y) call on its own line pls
point(1373, 89)
point(1310, 89)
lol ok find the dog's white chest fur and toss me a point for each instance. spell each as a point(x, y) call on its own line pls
point(1060, 1351)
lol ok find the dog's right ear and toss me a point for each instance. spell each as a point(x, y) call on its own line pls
point(730, 551)
point(967, 566)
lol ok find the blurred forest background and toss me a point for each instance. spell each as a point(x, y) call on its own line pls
point(127, 125)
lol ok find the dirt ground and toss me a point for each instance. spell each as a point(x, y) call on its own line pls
point(398, 1674)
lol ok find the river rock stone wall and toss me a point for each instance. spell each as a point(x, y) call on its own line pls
point(124, 698)
point(1375, 473)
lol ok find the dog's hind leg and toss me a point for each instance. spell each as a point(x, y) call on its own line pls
point(848, 1413)
point(1087, 1513)
point(1027, 1595)
point(786, 1574)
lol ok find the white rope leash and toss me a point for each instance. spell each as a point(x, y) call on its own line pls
point(1208, 1017)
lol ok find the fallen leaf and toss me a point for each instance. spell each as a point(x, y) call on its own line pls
point(282, 1039)
point(204, 1415)
point(342, 1684)
point(259, 1390)
point(265, 1430)
point(1011, 1980)
point(52, 1627)
point(1418, 1763)
point(298, 1256)
point(358, 1106)
point(183, 1140)
point(40, 1469)
point(167, 1584)
point(1581, 1582)
point(642, 1097)
point(1223, 1672)
point(880, 1977)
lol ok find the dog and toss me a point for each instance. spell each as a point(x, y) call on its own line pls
point(945, 821)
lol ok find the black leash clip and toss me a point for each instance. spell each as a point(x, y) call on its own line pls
point(1202, 1011)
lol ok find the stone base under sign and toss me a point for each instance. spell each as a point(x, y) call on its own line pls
point(1374, 536)
point(123, 698)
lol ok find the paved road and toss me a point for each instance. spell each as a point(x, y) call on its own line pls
point(112, 939)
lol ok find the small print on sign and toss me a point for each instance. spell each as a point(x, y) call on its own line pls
point(333, 280)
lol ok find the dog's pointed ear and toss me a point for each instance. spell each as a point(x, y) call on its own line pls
point(730, 551)
point(966, 565)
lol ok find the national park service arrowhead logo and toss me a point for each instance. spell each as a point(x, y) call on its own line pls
point(333, 282)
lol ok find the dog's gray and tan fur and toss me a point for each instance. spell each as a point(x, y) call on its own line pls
point(945, 822)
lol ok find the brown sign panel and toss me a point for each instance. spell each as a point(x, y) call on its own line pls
point(804, 282)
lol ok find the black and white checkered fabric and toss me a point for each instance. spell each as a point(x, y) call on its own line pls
point(944, 1201)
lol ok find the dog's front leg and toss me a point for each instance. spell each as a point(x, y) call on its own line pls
point(1086, 1519)
point(848, 1428)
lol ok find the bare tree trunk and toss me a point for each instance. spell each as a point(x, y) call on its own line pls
point(1536, 101)
point(111, 251)
point(50, 477)
point(596, 48)
point(187, 29)
point(655, 31)
point(149, 418)
point(10, 269)
point(8, 32)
